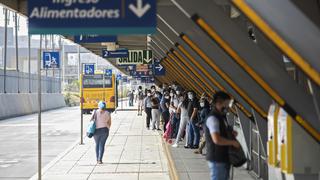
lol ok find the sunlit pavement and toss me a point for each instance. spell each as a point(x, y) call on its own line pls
point(132, 152)
point(18, 136)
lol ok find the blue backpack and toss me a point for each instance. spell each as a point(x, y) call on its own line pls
point(92, 125)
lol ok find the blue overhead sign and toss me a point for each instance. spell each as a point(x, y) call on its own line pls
point(119, 53)
point(94, 39)
point(108, 72)
point(159, 70)
point(89, 69)
point(51, 59)
point(103, 17)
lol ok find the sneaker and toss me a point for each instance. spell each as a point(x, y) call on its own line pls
point(187, 147)
point(159, 129)
point(175, 145)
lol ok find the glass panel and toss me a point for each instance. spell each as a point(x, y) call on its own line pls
point(23, 41)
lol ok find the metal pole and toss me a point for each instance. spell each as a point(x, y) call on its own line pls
point(5, 49)
point(39, 111)
point(29, 62)
point(62, 62)
point(17, 51)
point(80, 79)
point(79, 62)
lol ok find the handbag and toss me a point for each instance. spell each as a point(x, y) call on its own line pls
point(237, 156)
point(92, 125)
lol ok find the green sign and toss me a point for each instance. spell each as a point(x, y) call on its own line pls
point(136, 57)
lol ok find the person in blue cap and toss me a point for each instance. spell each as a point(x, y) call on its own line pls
point(103, 123)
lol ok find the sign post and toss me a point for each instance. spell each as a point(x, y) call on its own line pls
point(39, 114)
point(119, 53)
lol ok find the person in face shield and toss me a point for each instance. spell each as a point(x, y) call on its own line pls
point(217, 143)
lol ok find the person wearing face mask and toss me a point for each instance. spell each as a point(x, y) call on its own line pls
point(148, 108)
point(155, 112)
point(193, 129)
point(140, 97)
point(175, 118)
point(204, 111)
point(184, 118)
point(217, 142)
point(165, 104)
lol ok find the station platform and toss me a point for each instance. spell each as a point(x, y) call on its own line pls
point(132, 152)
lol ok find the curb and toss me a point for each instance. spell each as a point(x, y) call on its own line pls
point(55, 160)
point(172, 167)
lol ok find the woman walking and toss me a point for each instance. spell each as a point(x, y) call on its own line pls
point(103, 123)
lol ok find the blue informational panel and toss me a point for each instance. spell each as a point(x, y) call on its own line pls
point(119, 76)
point(51, 59)
point(158, 69)
point(108, 72)
point(89, 69)
point(103, 17)
point(94, 39)
point(119, 53)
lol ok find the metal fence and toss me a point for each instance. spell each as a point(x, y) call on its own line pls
point(19, 82)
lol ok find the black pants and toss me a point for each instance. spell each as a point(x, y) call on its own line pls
point(148, 118)
point(166, 117)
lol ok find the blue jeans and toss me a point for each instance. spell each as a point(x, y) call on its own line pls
point(194, 134)
point(100, 137)
point(219, 171)
point(175, 125)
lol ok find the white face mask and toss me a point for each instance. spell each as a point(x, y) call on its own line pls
point(167, 97)
point(178, 92)
point(149, 94)
point(156, 95)
point(190, 96)
point(171, 94)
point(202, 104)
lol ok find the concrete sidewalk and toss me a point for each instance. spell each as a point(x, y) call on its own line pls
point(132, 152)
point(190, 166)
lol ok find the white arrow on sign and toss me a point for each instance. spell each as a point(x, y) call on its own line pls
point(160, 67)
point(147, 60)
point(139, 10)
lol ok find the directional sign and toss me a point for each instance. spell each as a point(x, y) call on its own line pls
point(119, 53)
point(103, 17)
point(89, 69)
point(159, 70)
point(51, 59)
point(94, 39)
point(119, 76)
point(108, 72)
point(136, 57)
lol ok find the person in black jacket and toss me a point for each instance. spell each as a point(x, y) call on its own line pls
point(216, 138)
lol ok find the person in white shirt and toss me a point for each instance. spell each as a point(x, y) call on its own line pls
point(184, 118)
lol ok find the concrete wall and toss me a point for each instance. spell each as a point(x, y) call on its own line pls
point(12, 105)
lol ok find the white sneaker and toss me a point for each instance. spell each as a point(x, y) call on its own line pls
point(175, 145)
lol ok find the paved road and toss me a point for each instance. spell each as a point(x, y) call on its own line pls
point(18, 137)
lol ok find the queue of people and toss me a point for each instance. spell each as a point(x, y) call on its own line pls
point(199, 122)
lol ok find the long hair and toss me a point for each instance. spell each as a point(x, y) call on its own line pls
point(185, 101)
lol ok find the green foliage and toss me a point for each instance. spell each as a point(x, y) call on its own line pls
point(71, 99)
